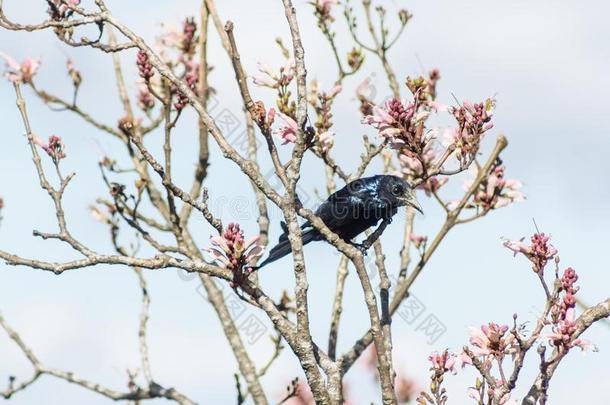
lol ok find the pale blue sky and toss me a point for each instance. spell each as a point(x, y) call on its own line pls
point(547, 62)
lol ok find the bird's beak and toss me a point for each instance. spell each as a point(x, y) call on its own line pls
point(410, 199)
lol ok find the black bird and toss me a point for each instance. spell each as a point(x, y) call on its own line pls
point(352, 210)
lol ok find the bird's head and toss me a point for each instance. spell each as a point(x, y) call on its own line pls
point(401, 191)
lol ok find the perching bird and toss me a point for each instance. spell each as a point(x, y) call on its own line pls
point(352, 210)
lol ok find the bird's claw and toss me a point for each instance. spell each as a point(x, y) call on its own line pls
point(361, 247)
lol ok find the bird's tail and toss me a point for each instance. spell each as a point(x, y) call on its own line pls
point(283, 247)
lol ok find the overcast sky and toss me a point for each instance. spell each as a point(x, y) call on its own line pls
point(547, 63)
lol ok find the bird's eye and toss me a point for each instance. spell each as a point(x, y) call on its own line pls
point(397, 190)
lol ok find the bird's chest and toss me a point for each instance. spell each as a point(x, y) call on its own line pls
point(357, 218)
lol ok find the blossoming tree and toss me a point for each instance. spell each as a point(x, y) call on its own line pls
point(173, 76)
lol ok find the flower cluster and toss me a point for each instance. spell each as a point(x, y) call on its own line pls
point(263, 118)
point(495, 191)
point(424, 88)
point(568, 280)
point(355, 59)
point(279, 81)
point(563, 331)
point(177, 49)
point(191, 77)
point(419, 241)
point(563, 315)
point(539, 252)
point(189, 30)
point(322, 102)
point(144, 66)
point(181, 39)
point(146, 101)
point(267, 77)
point(60, 9)
point(416, 169)
point(401, 124)
point(232, 250)
point(22, 72)
point(287, 133)
point(442, 363)
point(473, 121)
point(323, 9)
point(492, 341)
point(54, 147)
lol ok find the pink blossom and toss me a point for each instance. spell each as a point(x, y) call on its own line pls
point(20, 73)
point(288, 133)
point(326, 140)
point(418, 240)
point(323, 9)
point(473, 121)
point(60, 9)
point(492, 340)
point(569, 290)
point(517, 246)
point(232, 251)
point(496, 192)
point(271, 116)
point(327, 4)
point(181, 39)
point(191, 77)
point(416, 168)
point(584, 345)
point(332, 93)
point(146, 101)
point(145, 68)
point(401, 124)
point(443, 362)
point(568, 279)
point(54, 147)
point(563, 331)
point(539, 252)
point(189, 28)
point(272, 79)
point(510, 193)
point(463, 360)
